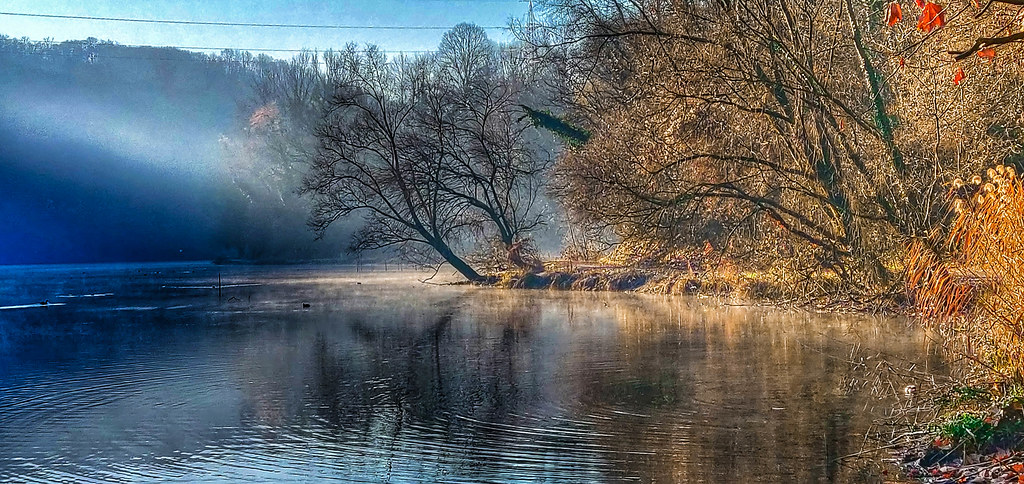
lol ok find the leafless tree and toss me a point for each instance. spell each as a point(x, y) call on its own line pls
point(433, 150)
point(778, 119)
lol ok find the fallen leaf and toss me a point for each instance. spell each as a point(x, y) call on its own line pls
point(1018, 467)
point(959, 76)
point(893, 14)
point(932, 17)
point(988, 53)
point(920, 3)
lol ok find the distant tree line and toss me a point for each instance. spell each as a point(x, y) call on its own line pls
point(823, 136)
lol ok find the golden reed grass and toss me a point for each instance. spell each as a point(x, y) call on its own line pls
point(974, 292)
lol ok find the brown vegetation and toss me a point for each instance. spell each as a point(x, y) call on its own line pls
point(794, 136)
point(973, 291)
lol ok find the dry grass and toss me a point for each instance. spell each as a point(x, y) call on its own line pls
point(649, 267)
point(974, 293)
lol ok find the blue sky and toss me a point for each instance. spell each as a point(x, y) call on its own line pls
point(347, 12)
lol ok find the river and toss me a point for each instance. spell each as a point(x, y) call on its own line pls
point(202, 373)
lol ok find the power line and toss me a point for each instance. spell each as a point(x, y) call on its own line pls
point(260, 49)
point(251, 49)
point(241, 24)
point(182, 48)
point(169, 59)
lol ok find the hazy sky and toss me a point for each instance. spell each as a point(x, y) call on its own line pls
point(344, 12)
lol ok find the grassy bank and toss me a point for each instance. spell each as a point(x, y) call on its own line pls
point(818, 290)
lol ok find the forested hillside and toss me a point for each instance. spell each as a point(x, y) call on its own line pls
point(99, 139)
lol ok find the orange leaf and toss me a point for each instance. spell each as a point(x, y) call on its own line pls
point(988, 53)
point(959, 76)
point(920, 3)
point(903, 61)
point(1018, 468)
point(932, 17)
point(893, 14)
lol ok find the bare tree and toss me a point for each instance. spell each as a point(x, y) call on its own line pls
point(495, 159)
point(432, 150)
point(778, 119)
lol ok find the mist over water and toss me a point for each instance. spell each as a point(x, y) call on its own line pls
point(118, 155)
point(150, 372)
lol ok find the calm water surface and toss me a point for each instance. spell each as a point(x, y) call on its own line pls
point(144, 373)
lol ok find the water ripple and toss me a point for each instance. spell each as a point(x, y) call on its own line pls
point(388, 381)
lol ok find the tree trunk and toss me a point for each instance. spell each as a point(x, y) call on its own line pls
point(460, 265)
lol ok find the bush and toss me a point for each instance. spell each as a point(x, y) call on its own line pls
point(974, 291)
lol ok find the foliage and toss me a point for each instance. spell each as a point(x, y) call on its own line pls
point(974, 291)
point(817, 135)
point(572, 135)
point(968, 429)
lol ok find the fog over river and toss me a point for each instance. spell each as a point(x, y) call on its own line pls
point(160, 372)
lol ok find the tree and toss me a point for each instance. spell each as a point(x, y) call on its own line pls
point(786, 123)
point(267, 156)
point(495, 156)
point(433, 150)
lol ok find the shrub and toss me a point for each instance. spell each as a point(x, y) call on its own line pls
point(972, 287)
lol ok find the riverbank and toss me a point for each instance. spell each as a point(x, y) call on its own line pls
point(975, 435)
point(818, 291)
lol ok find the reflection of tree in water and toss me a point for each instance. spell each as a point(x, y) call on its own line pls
point(698, 393)
point(386, 380)
point(579, 385)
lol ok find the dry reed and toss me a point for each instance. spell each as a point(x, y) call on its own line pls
point(974, 292)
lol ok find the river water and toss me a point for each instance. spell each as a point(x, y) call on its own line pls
point(159, 372)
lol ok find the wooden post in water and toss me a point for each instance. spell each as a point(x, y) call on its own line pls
point(220, 286)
